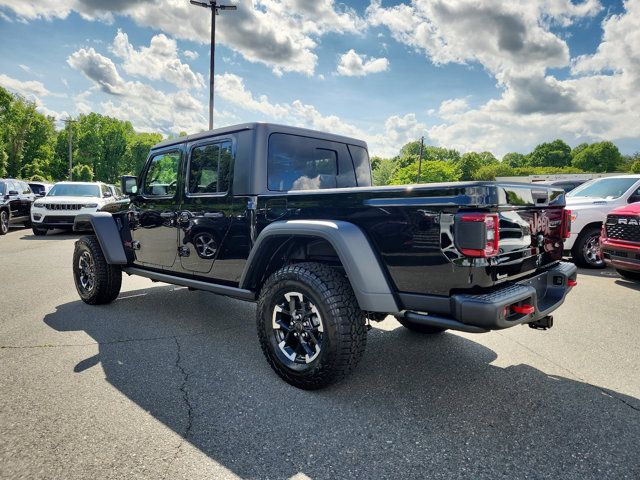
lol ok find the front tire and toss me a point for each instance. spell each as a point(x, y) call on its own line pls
point(419, 328)
point(310, 326)
point(585, 252)
point(96, 281)
point(39, 232)
point(4, 222)
point(629, 275)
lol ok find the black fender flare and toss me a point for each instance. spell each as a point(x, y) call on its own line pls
point(361, 264)
point(106, 231)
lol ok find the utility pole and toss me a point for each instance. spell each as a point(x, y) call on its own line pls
point(215, 8)
point(69, 122)
point(420, 159)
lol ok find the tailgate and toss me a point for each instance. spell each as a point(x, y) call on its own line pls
point(530, 230)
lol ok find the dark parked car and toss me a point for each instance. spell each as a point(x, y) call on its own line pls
point(287, 217)
point(40, 188)
point(15, 204)
point(567, 185)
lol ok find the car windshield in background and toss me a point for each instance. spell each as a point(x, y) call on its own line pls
point(2, 188)
point(604, 188)
point(70, 190)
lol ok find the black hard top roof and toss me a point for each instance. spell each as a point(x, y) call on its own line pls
point(268, 127)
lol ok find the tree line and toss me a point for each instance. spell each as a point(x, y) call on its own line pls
point(104, 148)
point(31, 147)
point(447, 165)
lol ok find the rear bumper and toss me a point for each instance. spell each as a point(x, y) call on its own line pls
point(620, 255)
point(545, 292)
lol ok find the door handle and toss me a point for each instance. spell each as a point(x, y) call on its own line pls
point(214, 215)
point(168, 214)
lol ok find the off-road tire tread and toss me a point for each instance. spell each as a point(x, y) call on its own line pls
point(108, 277)
point(335, 291)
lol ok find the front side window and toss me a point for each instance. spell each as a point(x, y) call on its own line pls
point(25, 189)
point(162, 175)
point(2, 188)
point(209, 169)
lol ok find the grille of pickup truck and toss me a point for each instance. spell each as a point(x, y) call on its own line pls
point(63, 206)
point(623, 228)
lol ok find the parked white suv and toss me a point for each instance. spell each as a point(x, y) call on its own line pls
point(65, 200)
point(589, 204)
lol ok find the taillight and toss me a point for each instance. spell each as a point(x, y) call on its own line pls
point(489, 235)
point(566, 223)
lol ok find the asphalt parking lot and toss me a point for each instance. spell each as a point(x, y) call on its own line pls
point(168, 383)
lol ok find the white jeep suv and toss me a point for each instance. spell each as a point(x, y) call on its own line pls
point(58, 209)
point(589, 204)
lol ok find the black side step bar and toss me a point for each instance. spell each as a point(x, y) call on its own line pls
point(234, 292)
point(442, 322)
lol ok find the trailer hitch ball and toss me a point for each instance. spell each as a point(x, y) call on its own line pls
point(542, 324)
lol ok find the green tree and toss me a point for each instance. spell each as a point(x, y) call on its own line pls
point(490, 172)
point(432, 171)
point(38, 149)
point(139, 146)
point(553, 154)
point(3, 163)
point(577, 149)
point(82, 173)
point(383, 171)
point(598, 157)
point(635, 167)
point(17, 124)
point(514, 159)
point(471, 162)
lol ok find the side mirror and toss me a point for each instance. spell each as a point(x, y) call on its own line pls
point(107, 194)
point(13, 192)
point(633, 199)
point(129, 184)
point(42, 194)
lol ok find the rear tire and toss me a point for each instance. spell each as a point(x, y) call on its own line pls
point(311, 329)
point(629, 275)
point(4, 222)
point(585, 252)
point(419, 328)
point(39, 232)
point(96, 281)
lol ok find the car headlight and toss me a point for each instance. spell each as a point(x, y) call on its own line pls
point(38, 204)
point(90, 205)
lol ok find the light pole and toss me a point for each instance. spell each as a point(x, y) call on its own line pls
point(420, 159)
point(69, 121)
point(215, 9)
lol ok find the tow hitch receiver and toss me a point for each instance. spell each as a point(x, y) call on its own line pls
point(543, 324)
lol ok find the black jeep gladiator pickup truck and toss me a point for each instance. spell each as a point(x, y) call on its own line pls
point(287, 217)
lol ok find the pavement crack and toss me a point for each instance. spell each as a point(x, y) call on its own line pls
point(111, 342)
point(603, 391)
point(187, 403)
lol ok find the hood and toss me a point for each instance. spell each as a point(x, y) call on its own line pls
point(584, 201)
point(631, 209)
point(64, 199)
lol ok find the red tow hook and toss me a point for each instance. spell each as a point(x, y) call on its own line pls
point(572, 283)
point(523, 309)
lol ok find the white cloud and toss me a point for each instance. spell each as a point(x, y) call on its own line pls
point(99, 69)
point(231, 87)
point(278, 33)
point(30, 88)
point(191, 55)
point(158, 61)
point(453, 106)
point(352, 64)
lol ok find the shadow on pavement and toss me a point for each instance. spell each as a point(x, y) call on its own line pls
point(56, 234)
point(416, 407)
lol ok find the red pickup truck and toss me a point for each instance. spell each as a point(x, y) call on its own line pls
point(620, 241)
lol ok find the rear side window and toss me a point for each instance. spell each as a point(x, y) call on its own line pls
point(361, 163)
point(162, 175)
point(209, 168)
point(304, 163)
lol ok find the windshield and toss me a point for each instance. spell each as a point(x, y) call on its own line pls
point(608, 188)
point(74, 190)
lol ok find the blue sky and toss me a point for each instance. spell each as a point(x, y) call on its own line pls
point(473, 75)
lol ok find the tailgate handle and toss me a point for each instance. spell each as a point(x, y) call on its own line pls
point(540, 196)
